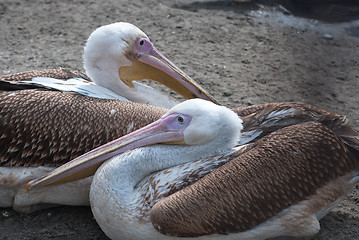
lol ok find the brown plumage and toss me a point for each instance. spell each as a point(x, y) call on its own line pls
point(276, 172)
point(266, 118)
point(61, 73)
point(296, 152)
point(32, 139)
point(11, 82)
point(49, 128)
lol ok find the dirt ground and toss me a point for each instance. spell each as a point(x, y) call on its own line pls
point(243, 53)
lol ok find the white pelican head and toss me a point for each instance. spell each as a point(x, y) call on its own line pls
point(209, 123)
point(194, 122)
point(118, 53)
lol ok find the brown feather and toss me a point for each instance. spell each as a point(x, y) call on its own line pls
point(277, 171)
point(49, 128)
point(61, 73)
point(258, 116)
point(48, 133)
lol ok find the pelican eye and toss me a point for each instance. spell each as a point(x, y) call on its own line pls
point(180, 119)
point(143, 46)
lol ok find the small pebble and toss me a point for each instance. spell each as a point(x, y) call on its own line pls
point(5, 214)
point(328, 36)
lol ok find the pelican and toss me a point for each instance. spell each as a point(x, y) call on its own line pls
point(42, 129)
point(27, 159)
point(114, 56)
point(279, 185)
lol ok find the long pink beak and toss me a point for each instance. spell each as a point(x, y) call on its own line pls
point(168, 129)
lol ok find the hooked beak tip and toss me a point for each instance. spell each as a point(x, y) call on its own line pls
point(28, 186)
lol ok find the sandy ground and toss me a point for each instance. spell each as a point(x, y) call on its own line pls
point(243, 53)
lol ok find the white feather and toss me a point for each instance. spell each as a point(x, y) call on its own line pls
point(77, 85)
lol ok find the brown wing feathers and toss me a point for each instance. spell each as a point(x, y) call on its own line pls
point(63, 126)
point(264, 116)
point(281, 169)
point(260, 118)
point(235, 198)
point(49, 128)
point(61, 73)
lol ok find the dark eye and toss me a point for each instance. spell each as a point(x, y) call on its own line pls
point(180, 119)
point(142, 42)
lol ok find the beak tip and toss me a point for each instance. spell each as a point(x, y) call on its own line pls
point(28, 186)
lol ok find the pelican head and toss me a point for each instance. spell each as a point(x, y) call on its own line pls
point(118, 53)
point(194, 122)
point(210, 123)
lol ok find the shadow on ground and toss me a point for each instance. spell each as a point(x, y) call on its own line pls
point(323, 10)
